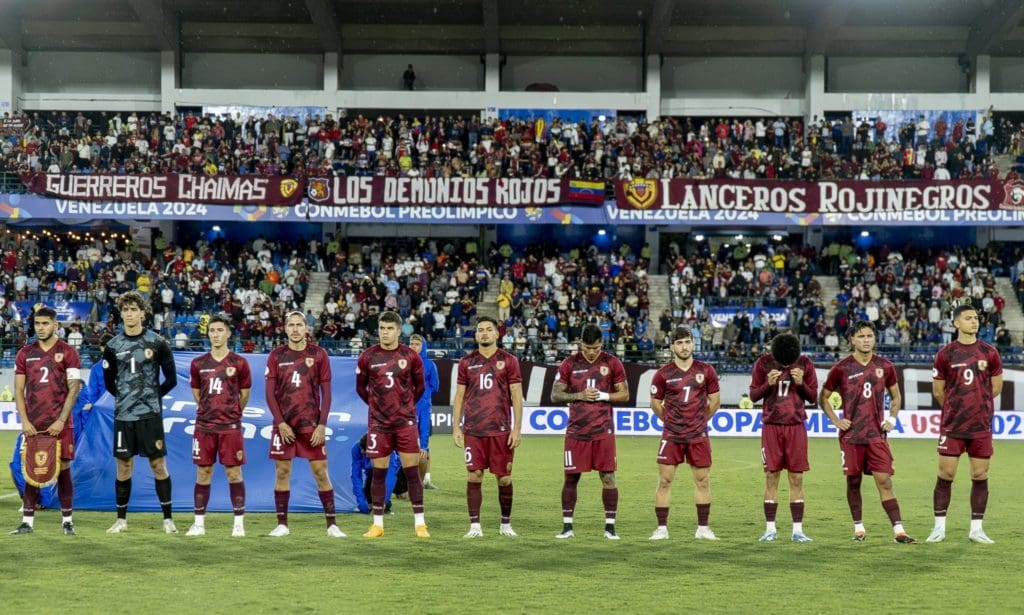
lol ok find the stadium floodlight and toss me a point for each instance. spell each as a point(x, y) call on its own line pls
point(864, 234)
point(776, 237)
point(699, 238)
point(602, 232)
point(739, 237)
point(216, 228)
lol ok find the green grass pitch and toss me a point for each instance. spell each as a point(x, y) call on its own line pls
point(145, 570)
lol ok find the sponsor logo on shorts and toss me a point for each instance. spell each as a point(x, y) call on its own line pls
point(159, 445)
point(238, 455)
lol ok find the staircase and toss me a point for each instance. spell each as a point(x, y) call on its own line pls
point(659, 297)
point(488, 304)
point(1012, 314)
point(829, 290)
point(319, 282)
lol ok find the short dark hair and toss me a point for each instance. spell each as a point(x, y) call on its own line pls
point(861, 324)
point(390, 316)
point(963, 307)
point(47, 312)
point(131, 298)
point(221, 318)
point(490, 319)
point(681, 333)
point(786, 348)
point(591, 335)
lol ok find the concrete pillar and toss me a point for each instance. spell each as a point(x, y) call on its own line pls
point(170, 70)
point(331, 71)
point(10, 80)
point(492, 73)
point(981, 76)
point(814, 89)
point(652, 85)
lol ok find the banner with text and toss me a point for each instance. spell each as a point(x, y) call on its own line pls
point(551, 420)
point(275, 190)
point(835, 202)
point(720, 316)
point(67, 311)
point(281, 191)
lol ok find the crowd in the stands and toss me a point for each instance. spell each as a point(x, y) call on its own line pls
point(449, 145)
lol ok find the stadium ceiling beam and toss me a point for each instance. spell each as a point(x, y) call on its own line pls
point(10, 33)
point(51, 28)
point(158, 16)
point(325, 21)
point(492, 27)
point(829, 18)
point(993, 26)
point(656, 28)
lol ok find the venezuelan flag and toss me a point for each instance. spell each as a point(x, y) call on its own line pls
point(585, 192)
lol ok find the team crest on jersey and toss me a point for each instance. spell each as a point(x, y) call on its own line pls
point(879, 372)
point(700, 378)
point(982, 365)
point(402, 363)
point(500, 365)
point(309, 361)
point(604, 370)
point(148, 353)
point(230, 372)
point(60, 357)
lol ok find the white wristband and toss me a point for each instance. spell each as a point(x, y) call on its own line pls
point(602, 396)
point(891, 420)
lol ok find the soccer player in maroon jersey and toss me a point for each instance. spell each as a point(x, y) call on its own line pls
point(489, 383)
point(389, 378)
point(589, 381)
point(47, 378)
point(221, 382)
point(861, 380)
point(785, 380)
point(299, 397)
point(967, 377)
point(684, 395)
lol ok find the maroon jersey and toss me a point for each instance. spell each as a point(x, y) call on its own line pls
point(487, 403)
point(784, 402)
point(390, 382)
point(46, 380)
point(590, 420)
point(294, 379)
point(968, 371)
point(685, 394)
point(863, 389)
point(220, 385)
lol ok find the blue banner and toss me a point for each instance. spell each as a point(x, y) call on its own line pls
point(67, 311)
point(720, 316)
point(94, 467)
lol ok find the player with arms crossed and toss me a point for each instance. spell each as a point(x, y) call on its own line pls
point(489, 383)
point(589, 381)
point(785, 380)
point(47, 378)
point(132, 362)
point(684, 395)
point(389, 378)
point(221, 382)
point(298, 389)
point(861, 380)
point(967, 377)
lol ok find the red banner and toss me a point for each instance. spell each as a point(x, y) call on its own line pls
point(281, 191)
point(454, 191)
point(273, 190)
point(825, 197)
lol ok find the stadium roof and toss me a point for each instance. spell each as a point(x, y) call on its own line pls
point(527, 27)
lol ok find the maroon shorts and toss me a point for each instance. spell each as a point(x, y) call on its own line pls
point(489, 452)
point(66, 437)
point(228, 445)
point(586, 455)
point(299, 447)
point(954, 447)
point(695, 452)
point(383, 443)
point(784, 447)
point(866, 458)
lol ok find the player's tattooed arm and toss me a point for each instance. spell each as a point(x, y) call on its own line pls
point(560, 394)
